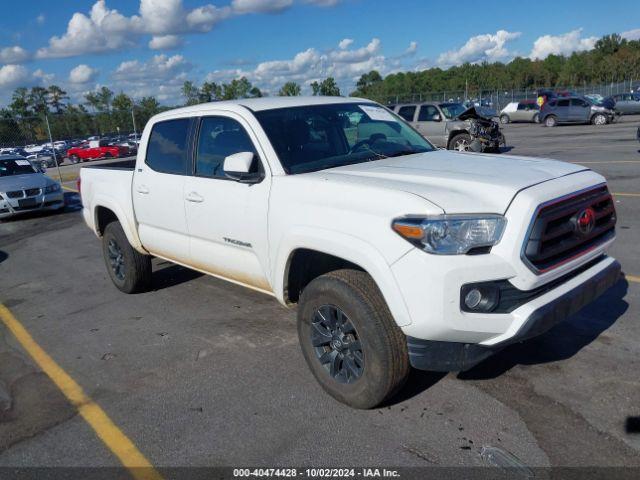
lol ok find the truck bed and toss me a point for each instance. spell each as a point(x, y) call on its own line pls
point(129, 164)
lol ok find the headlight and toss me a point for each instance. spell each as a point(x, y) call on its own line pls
point(451, 234)
point(52, 188)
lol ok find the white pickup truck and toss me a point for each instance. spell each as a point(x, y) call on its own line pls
point(396, 254)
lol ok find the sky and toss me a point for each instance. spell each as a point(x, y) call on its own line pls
point(150, 47)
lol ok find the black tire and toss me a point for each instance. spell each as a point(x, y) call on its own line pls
point(134, 266)
point(108, 155)
point(504, 119)
point(461, 142)
point(384, 365)
point(74, 159)
point(551, 121)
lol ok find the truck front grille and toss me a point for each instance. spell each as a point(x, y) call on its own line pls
point(568, 227)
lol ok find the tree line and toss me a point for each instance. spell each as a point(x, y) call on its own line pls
point(103, 112)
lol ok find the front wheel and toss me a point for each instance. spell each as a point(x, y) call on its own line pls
point(461, 142)
point(349, 339)
point(130, 271)
point(599, 119)
point(504, 119)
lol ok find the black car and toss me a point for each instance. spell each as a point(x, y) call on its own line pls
point(574, 110)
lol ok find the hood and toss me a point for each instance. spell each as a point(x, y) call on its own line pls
point(22, 182)
point(472, 113)
point(457, 182)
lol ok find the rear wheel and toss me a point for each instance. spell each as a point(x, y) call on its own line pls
point(536, 118)
point(504, 119)
point(461, 142)
point(74, 159)
point(130, 271)
point(551, 121)
point(349, 339)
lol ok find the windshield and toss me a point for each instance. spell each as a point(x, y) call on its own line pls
point(316, 137)
point(452, 110)
point(15, 167)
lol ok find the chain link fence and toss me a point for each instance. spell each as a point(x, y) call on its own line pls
point(499, 98)
point(44, 139)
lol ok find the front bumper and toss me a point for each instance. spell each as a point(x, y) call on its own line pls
point(540, 315)
point(43, 202)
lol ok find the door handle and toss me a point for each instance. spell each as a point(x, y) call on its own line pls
point(194, 197)
point(142, 189)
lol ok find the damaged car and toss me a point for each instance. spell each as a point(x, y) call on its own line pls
point(452, 126)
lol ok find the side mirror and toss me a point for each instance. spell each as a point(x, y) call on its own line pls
point(237, 167)
point(437, 118)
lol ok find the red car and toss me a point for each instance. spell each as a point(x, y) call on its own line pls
point(96, 149)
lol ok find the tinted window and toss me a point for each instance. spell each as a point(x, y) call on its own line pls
point(15, 167)
point(220, 137)
point(522, 106)
point(167, 150)
point(407, 113)
point(563, 103)
point(577, 102)
point(428, 113)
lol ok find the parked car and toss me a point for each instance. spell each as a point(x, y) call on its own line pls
point(395, 253)
point(96, 149)
point(574, 110)
point(45, 158)
point(523, 111)
point(24, 188)
point(626, 103)
point(452, 126)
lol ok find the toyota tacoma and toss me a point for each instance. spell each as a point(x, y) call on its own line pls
point(396, 254)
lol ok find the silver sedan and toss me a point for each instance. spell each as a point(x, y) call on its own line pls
point(25, 189)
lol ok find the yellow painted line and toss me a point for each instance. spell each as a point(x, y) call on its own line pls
point(620, 194)
point(115, 440)
point(70, 189)
point(632, 278)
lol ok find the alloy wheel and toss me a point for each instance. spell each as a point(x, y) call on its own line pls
point(336, 344)
point(116, 259)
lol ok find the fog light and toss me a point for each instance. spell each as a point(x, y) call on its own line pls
point(473, 298)
point(480, 297)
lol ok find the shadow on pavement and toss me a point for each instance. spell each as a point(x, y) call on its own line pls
point(3, 256)
point(172, 275)
point(561, 342)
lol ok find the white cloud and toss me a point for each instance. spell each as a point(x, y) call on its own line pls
point(40, 19)
point(345, 43)
point(412, 48)
point(358, 55)
point(162, 76)
point(82, 74)
point(42, 78)
point(564, 44)
point(104, 29)
point(14, 54)
point(488, 47)
point(260, 6)
point(12, 76)
point(631, 34)
point(345, 65)
point(165, 42)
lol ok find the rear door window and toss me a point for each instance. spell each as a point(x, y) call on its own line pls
point(407, 112)
point(167, 151)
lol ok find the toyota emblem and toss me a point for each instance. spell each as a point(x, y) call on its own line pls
point(585, 221)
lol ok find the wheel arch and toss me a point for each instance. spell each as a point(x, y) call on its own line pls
point(453, 133)
point(305, 257)
point(105, 212)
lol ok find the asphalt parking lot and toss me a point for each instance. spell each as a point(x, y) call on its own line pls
point(200, 372)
